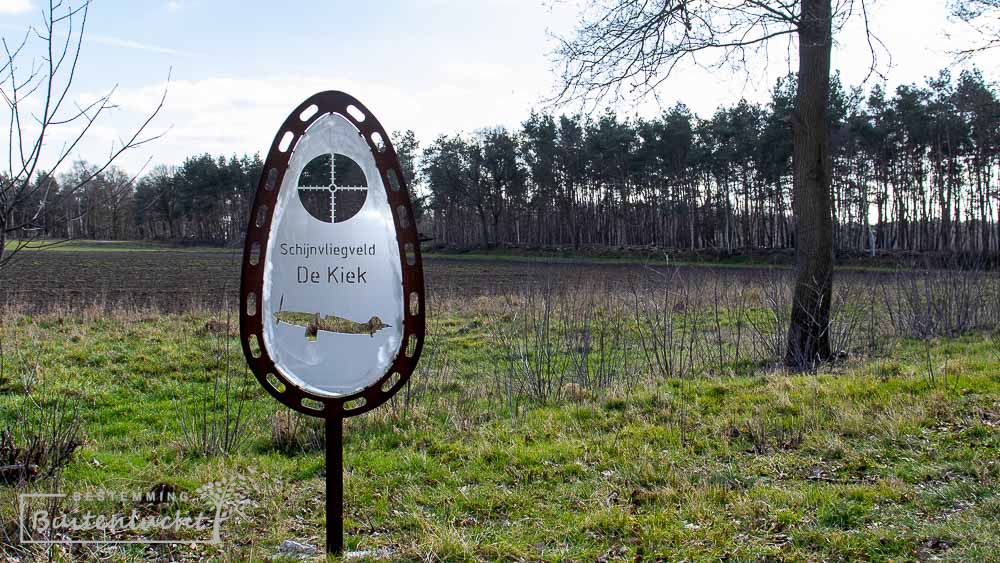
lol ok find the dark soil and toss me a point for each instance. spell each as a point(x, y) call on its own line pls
point(176, 281)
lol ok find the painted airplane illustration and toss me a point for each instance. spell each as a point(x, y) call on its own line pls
point(314, 322)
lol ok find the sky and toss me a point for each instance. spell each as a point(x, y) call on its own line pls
point(236, 68)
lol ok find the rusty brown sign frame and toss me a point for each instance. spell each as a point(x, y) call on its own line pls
point(255, 256)
point(333, 409)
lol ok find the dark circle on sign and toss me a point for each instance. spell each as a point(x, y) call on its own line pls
point(332, 188)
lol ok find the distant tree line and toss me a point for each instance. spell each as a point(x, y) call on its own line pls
point(915, 170)
point(205, 199)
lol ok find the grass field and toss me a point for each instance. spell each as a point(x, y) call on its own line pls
point(891, 456)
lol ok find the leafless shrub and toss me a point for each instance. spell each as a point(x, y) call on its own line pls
point(599, 344)
point(45, 430)
point(877, 339)
point(548, 343)
point(28, 497)
point(768, 319)
point(942, 303)
point(849, 313)
point(667, 326)
point(216, 326)
point(433, 366)
point(41, 439)
point(939, 373)
point(769, 316)
point(530, 361)
point(766, 434)
point(730, 330)
point(292, 432)
point(216, 421)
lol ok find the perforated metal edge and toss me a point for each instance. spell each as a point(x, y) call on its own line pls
point(252, 278)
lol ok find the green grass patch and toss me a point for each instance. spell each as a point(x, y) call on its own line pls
point(856, 463)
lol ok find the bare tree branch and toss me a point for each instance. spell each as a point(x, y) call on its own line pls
point(983, 19)
point(637, 44)
point(47, 85)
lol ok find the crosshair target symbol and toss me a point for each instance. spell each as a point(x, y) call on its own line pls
point(332, 188)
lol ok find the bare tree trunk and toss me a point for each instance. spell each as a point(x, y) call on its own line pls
point(496, 228)
point(808, 331)
point(3, 229)
point(484, 225)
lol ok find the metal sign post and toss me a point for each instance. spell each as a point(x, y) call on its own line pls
point(332, 308)
point(334, 484)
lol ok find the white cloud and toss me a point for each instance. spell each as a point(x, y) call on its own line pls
point(226, 115)
point(232, 115)
point(15, 6)
point(241, 115)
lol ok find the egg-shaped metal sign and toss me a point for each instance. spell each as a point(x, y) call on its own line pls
point(332, 294)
